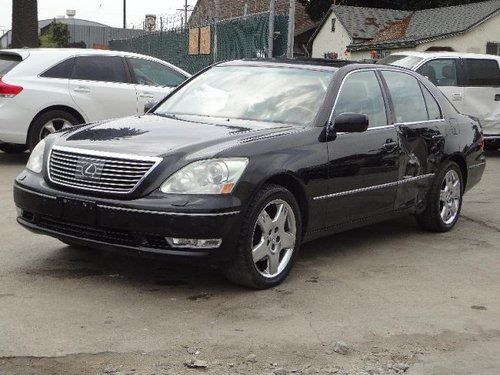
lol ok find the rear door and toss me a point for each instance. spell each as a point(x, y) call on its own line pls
point(447, 74)
point(101, 87)
point(482, 92)
point(363, 167)
point(153, 81)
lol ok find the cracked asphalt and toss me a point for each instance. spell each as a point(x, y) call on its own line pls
point(403, 301)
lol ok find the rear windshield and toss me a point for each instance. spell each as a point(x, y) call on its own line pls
point(7, 62)
point(404, 61)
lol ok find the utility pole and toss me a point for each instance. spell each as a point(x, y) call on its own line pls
point(270, 38)
point(217, 20)
point(186, 10)
point(124, 14)
point(291, 30)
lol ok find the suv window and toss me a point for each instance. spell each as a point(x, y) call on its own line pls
point(441, 72)
point(151, 73)
point(61, 70)
point(361, 93)
point(100, 68)
point(482, 72)
point(407, 98)
point(8, 62)
point(433, 109)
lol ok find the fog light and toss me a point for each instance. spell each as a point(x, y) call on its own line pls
point(183, 243)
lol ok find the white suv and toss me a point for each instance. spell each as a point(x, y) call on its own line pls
point(470, 81)
point(46, 90)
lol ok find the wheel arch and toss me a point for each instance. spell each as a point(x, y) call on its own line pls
point(292, 184)
point(462, 163)
point(65, 108)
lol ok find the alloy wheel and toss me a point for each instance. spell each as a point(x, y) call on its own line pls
point(53, 126)
point(450, 196)
point(274, 238)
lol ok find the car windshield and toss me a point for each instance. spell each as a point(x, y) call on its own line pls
point(271, 94)
point(403, 61)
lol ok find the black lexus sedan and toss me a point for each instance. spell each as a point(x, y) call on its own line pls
point(248, 160)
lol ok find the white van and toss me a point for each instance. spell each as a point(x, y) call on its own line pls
point(470, 81)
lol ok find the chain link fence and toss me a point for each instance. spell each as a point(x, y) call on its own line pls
point(197, 47)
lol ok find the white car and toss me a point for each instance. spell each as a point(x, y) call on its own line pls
point(46, 90)
point(470, 81)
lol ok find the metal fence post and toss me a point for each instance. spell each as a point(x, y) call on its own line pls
point(291, 30)
point(217, 19)
point(270, 38)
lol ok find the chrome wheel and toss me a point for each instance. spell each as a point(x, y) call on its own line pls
point(53, 126)
point(449, 197)
point(274, 237)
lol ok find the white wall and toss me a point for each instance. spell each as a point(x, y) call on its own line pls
point(473, 41)
point(327, 41)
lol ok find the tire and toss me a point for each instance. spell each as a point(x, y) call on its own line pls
point(276, 258)
point(41, 126)
point(11, 148)
point(435, 218)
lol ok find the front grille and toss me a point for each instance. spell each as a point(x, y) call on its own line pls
point(98, 171)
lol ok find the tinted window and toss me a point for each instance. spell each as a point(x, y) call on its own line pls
point(482, 72)
point(361, 93)
point(151, 73)
point(407, 98)
point(441, 72)
point(62, 70)
point(100, 68)
point(433, 109)
point(7, 62)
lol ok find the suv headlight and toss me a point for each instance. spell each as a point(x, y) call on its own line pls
point(215, 176)
point(35, 162)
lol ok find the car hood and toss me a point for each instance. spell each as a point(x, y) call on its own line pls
point(154, 135)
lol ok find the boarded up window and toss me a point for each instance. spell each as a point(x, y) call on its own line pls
point(200, 41)
point(194, 41)
point(205, 41)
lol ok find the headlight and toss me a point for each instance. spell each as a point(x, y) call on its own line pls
point(35, 162)
point(216, 176)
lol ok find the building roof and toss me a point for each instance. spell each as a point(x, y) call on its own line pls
point(431, 24)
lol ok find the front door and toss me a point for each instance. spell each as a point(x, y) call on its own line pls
point(363, 167)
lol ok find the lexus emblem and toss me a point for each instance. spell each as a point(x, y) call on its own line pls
point(90, 170)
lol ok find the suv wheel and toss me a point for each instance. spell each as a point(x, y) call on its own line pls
point(269, 240)
point(444, 201)
point(11, 148)
point(48, 123)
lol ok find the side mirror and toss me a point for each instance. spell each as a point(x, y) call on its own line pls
point(351, 123)
point(149, 106)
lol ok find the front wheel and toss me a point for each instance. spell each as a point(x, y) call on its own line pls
point(269, 240)
point(444, 201)
point(48, 123)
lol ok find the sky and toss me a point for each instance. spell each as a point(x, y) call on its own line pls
point(104, 11)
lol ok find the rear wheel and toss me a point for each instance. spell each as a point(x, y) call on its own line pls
point(269, 240)
point(11, 148)
point(444, 202)
point(48, 123)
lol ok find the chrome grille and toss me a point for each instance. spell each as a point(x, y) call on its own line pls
point(98, 171)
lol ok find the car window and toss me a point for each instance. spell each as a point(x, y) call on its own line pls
point(8, 62)
point(441, 72)
point(433, 109)
point(361, 93)
point(61, 70)
point(100, 68)
point(407, 97)
point(151, 73)
point(482, 72)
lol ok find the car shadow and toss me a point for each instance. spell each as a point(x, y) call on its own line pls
point(14, 159)
point(200, 281)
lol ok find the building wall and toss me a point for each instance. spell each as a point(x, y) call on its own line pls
point(328, 42)
point(473, 41)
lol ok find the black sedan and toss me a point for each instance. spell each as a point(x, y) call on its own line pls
point(249, 159)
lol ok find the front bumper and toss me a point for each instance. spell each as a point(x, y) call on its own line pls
point(128, 226)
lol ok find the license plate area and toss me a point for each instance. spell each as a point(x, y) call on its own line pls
point(79, 211)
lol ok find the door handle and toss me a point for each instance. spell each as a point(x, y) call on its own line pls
point(82, 89)
point(145, 95)
point(497, 97)
point(390, 145)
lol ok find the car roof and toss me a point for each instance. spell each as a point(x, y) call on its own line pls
point(316, 64)
point(427, 55)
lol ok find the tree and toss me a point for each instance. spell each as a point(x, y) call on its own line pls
point(317, 8)
point(55, 35)
point(24, 23)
